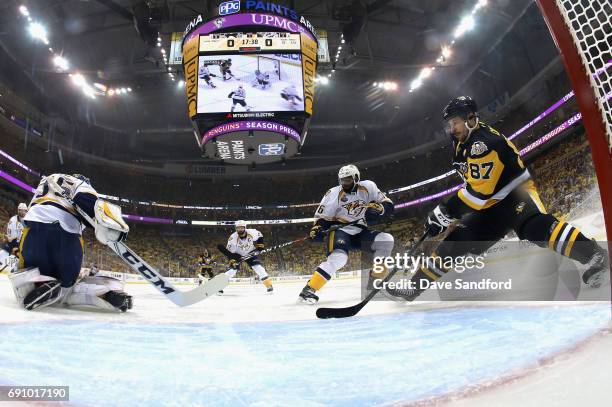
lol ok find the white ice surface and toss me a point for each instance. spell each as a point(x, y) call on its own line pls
point(249, 348)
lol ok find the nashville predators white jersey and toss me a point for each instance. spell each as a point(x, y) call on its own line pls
point(48, 206)
point(14, 228)
point(339, 206)
point(240, 246)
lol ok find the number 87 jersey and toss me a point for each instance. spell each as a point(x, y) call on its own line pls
point(490, 165)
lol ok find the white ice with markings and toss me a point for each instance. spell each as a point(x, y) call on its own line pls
point(250, 348)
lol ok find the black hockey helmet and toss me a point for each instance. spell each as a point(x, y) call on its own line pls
point(459, 106)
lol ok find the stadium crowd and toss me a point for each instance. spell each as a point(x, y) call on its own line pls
point(564, 176)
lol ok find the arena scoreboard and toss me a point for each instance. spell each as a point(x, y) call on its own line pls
point(249, 78)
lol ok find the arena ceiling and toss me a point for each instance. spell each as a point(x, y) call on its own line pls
point(352, 120)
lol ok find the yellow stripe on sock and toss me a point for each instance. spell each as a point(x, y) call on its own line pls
point(317, 281)
point(330, 243)
point(23, 238)
point(553, 236)
point(570, 244)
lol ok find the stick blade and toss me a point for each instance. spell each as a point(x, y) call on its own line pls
point(200, 293)
point(347, 312)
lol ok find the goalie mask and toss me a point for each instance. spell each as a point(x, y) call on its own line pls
point(348, 177)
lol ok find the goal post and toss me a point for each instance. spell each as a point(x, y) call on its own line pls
point(582, 31)
point(271, 66)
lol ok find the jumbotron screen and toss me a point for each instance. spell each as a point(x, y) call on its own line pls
point(250, 83)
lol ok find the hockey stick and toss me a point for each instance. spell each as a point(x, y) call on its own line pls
point(234, 256)
point(325, 313)
point(149, 273)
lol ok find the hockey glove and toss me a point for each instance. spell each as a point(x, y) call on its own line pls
point(316, 232)
point(233, 264)
point(378, 212)
point(438, 221)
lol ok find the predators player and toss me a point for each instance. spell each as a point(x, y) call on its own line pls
point(14, 229)
point(352, 200)
point(244, 242)
point(51, 247)
point(206, 262)
point(498, 196)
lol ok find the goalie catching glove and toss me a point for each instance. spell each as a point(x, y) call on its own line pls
point(109, 224)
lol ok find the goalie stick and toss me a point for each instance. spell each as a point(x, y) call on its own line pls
point(237, 257)
point(325, 313)
point(149, 273)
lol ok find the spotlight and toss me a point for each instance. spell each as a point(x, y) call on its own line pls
point(181, 83)
point(78, 79)
point(446, 52)
point(129, 89)
point(425, 73)
point(38, 31)
point(466, 24)
point(111, 92)
point(480, 4)
point(60, 62)
point(88, 91)
point(24, 10)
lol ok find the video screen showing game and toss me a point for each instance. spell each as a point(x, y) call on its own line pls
point(250, 83)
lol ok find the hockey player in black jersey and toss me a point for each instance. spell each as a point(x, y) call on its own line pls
point(206, 262)
point(498, 196)
point(225, 69)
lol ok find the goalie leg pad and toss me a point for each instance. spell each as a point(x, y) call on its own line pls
point(231, 273)
point(43, 295)
point(99, 292)
point(25, 280)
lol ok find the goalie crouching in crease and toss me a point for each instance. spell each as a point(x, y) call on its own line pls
point(51, 247)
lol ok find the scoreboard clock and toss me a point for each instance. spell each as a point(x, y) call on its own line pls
point(250, 85)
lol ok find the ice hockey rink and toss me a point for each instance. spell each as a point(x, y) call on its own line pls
point(250, 348)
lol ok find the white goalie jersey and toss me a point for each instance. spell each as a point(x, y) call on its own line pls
point(48, 205)
point(243, 246)
point(338, 206)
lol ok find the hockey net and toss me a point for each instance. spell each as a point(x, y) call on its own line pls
point(266, 65)
point(582, 31)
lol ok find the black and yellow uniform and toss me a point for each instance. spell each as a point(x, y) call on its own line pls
point(206, 262)
point(499, 196)
point(491, 167)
